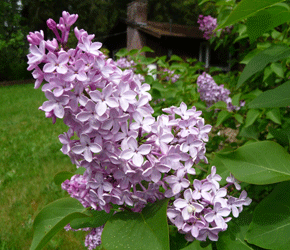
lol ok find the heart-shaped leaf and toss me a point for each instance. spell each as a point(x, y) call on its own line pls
point(54, 217)
point(258, 163)
point(142, 231)
point(270, 227)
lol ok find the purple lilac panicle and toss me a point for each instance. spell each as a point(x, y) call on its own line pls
point(171, 76)
point(113, 135)
point(211, 93)
point(208, 24)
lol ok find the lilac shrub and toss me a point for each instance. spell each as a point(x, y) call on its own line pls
point(211, 93)
point(130, 157)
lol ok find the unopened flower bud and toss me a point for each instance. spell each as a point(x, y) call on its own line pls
point(51, 24)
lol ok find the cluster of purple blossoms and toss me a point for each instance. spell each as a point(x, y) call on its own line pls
point(211, 93)
point(124, 63)
point(130, 157)
point(204, 211)
point(93, 239)
point(207, 24)
point(171, 76)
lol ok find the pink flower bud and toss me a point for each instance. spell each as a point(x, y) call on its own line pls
point(51, 24)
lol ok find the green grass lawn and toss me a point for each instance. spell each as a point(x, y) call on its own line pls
point(30, 156)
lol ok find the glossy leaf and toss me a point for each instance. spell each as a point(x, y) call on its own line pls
point(239, 118)
point(236, 99)
point(258, 163)
point(196, 245)
point(54, 217)
point(146, 49)
point(266, 20)
point(270, 227)
point(95, 219)
point(62, 176)
point(245, 9)
point(176, 58)
point(274, 53)
point(277, 69)
point(252, 115)
point(222, 116)
point(142, 231)
point(250, 132)
point(233, 237)
point(80, 170)
point(274, 115)
point(278, 97)
point(281, 135)
point(122, 52)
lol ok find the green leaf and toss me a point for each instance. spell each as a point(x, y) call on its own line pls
point(222, 116)
point(274, 115)
point(274, 53)
point(62, 176)
point(142, 231)
point(277, 69)
point(258, 163)
point(176, 58)
point(146, 49)
point(147, 60)
point(278, 97)
point(133, 52)
point(245, 9)
point(233, 237)
point(149, 79)
point(266, 20)
point(267, 72)
point(196, 245)
point(250, 56)
point(95, 219)
point(281, 135)
point(203, 1)
point(250, 132)
point(122, 52)
point(80, 170)
point(54, 217)
point(270, 227)
point(219, 105)
point(236, 99)
point(252, 116)
point(239, 118)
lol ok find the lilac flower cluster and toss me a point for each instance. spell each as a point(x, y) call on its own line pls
point(130, 157)
point(203, 211)
point(124, 63)
point(207, 24)
point(93, 239)
point(211, 93)
point(171, 76)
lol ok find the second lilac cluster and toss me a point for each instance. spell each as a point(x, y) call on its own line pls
point(211, 93)
point(207, 24)
point(124, 63)
point(171, 76)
